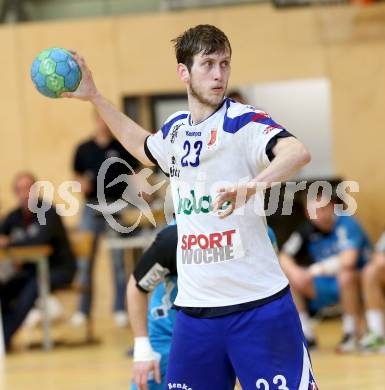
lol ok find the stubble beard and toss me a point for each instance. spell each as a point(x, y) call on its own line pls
point(212, 103)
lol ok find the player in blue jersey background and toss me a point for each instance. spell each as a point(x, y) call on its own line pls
point(155, 273)
point(322, 260)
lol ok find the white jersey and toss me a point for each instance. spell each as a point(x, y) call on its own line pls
point(226, 261)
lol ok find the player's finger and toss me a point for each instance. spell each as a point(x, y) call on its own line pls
point(67, 95)
point(220, 201)
point(157, 372)
point(143, 381)
point(226, 212)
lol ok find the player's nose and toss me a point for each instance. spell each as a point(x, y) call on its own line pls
point(217, 73)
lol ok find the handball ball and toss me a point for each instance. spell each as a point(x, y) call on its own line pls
point(55, 71)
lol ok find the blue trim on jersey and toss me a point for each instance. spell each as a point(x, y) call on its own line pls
point(233, 125)
point(167, 126)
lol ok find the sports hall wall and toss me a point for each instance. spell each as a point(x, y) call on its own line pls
point(132, 55)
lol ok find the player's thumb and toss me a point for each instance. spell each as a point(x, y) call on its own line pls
point(67, 95)
point(157, 372)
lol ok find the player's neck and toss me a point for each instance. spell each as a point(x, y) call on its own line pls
point(199, 111)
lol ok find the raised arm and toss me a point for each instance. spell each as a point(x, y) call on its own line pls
point(128, 133)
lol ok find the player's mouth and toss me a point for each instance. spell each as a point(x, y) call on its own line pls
point(217, 89)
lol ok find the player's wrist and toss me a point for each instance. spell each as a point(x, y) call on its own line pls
point(96, 97)
point(254, 186)
point(316, 269)
point(143, 351)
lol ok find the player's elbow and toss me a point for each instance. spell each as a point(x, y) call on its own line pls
point(302, 154)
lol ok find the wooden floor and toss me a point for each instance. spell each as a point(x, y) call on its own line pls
point(106, 366)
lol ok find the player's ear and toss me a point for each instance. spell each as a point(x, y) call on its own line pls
point(183, 73)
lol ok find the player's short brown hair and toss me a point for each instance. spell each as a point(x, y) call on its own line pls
point(202, 38)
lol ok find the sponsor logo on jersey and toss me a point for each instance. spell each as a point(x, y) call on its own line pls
point(178, 386)
point(174, 132)
point(174, 171)
point(193, 133)
point(153, 277)
point(193, 204)
point(208, 248)
point(268, 129)
point(213, 139)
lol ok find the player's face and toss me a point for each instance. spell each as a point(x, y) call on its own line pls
point(209, 76)
point(325, 218)
point(22, 189)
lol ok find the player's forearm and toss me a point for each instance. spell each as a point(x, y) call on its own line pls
point(327, 267)
point(288, 264)
point(287, 162)
point(127, 132)
point(137, 303)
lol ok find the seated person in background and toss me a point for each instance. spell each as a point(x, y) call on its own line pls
point(21, 228)
point(373, 285)
point(153, 322)
point(322, 260)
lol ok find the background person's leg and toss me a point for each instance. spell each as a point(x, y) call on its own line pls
point(23, 292)
point(349, 286)
point(90, 222)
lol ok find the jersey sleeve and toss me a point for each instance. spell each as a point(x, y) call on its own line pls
point(380, 246)
point(157, 145)
point(263, 134)
point(350, 235)
point(158, 261)
point(297, 245)
point(294, 244)
point(155, 148)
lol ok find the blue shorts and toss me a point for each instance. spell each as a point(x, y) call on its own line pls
point(327, 292)
point(264, 347)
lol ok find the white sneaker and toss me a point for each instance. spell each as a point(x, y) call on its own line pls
point(371, 343)
point(54, 309)
point(78, 319)
point(348, 344)
point(121, 319)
